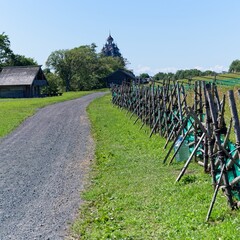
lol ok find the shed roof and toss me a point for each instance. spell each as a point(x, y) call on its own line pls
point(130, 75)
point(20, 75)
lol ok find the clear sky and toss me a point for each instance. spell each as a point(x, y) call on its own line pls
point(154, 35)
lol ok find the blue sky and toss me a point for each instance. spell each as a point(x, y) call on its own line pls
point(154, 35)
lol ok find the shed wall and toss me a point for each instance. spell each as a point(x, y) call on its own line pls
point(14, 92)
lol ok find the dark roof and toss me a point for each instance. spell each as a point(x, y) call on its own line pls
point(128, 74)
point(24, 75)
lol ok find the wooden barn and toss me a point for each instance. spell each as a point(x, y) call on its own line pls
point(118, 77)
point(21, 82)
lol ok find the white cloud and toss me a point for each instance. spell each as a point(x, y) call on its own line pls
point(142, 69)
point(166, 70)
point(216, 68)
point(152, 71)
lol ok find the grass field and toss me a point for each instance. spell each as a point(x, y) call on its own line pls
point(228, 79)
point(132, 195)
point(14, 111)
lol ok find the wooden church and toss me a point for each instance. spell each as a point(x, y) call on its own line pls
point(110, 49)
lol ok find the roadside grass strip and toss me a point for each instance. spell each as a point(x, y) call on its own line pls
point(132, 195)
point(14, 111)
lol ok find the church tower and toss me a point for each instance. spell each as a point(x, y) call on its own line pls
point(110, 49)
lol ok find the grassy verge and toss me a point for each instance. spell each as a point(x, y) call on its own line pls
point(132, 194)
point(14, 111)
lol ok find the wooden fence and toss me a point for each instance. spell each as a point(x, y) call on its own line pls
point(198, 126)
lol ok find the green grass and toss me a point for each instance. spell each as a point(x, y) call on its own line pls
point(132, 195)
point(14, 111)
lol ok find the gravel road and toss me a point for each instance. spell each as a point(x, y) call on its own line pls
point(42, 168)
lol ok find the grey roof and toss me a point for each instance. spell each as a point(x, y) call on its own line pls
point(25, 75)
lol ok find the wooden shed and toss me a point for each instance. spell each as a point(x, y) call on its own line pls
point(118, 77)
point(21, 82)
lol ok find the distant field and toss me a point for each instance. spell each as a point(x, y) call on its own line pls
point(14, 111)
point(223, 76)
point(227, 79)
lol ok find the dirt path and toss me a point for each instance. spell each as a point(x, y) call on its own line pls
point(42, 168)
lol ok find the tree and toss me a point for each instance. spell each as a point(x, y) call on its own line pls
point(107, 65)
point(85, 66)
point(144, 76)
point(159, 76)
point(54, 83)
point(21, 60)
point(60, 63)
point(8, 58)
point(209, 73)
point(5, 51)
point(82, 68)
point(179, 74)
point(163, 76)
point(235, 66)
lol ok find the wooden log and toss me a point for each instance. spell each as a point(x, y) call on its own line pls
point(220, 148)
point(177, 150)
point(138, 117)
point(179, 103)
point(207, 140)
point(154, 126)
point(175, 126)
point(165, 111)
point(174, 130)
point(215, 194)
point(200, 102)
point(194, 116)
point(226, 139)
point(216, 95)
point(190, 158)
point(176, 138)
point(195, 109)
point(200, 163)
point(235, 181)
point(234, 112)
point(221, 122)
point(233, 161)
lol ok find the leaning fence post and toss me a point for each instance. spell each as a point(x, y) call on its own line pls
point(215, 194)
point(220, 150)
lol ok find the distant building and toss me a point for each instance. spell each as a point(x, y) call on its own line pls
point(21, 82)
point(110, 49)
point(119, 77)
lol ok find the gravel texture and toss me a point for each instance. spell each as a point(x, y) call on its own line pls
point(42, 169)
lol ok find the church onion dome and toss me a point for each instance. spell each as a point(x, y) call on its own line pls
point(110, 39)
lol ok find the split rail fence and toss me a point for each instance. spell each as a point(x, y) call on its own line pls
point(194, 131)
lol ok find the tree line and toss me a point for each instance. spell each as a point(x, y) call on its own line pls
point(82, 68)
point(189, 73)
point(183, 74)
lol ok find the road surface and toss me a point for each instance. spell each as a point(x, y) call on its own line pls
point(43, 165)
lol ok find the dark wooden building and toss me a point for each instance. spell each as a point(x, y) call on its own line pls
point(118, 77)
point(110, 49)
point(21, 82)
